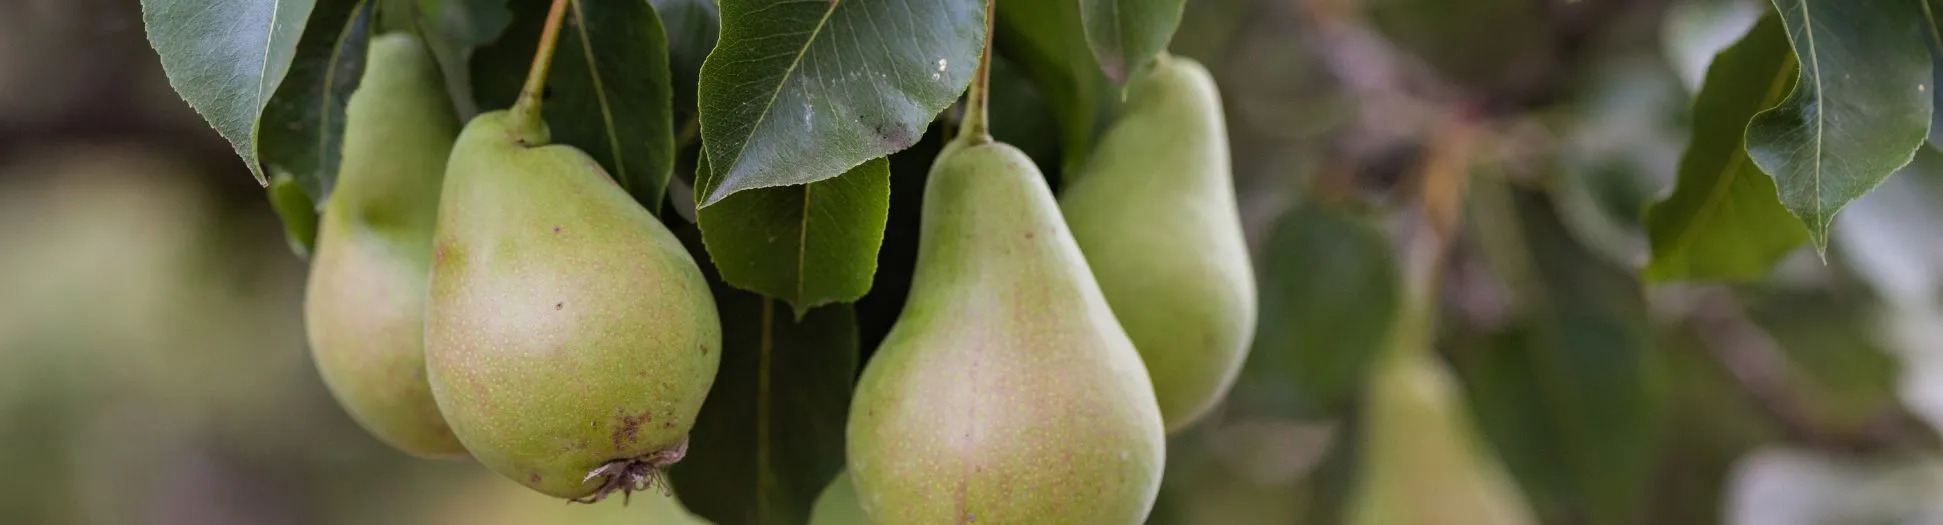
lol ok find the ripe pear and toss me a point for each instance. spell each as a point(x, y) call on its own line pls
point(837, 505)
point(1154, 211)
point(1005, 392)
point(570, 338)
point(364, 307)
point(1422, 461)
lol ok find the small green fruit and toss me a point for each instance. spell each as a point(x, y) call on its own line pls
point(571, 339)
point(1005, 392)
point(1154, 211)
point(364, 306)
point(1422, 462)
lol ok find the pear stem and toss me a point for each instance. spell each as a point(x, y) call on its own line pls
point(1444, 177)
point(976, 124)
point(527, 109)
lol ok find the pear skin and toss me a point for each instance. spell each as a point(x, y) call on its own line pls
point(1154, 210)
point(1005, 392)
point(570, 338)
point(364, 306)
point(1423, 462)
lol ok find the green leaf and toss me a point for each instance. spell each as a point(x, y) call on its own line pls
point(692, 28)
point(809, 244)
point(298, 212)
point(1046, 40)
point(226, 58)
point(1571, 393)
point(770, 435)
point(1858, 111)
point(1724, 219)
point(1933, 31)
point(798, 92)
point(453, 29)
point(608, 93)
point(302, 131)
point(469, 23)
point(1329, 293)
point(1126, 34)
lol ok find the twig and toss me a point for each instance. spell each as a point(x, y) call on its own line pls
point(1760, 367)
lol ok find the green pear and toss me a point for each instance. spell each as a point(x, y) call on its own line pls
point(570, 338)
point(1005, 392)
point(1422, 462)
point(364, 307)
point(1154, 211)
point(837, 505)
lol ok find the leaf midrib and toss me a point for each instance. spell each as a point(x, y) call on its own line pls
point(803, 246)
point(769, 105)
point(600, 98)
point(1710, 206)
point(262, 77)
point(1815, 72)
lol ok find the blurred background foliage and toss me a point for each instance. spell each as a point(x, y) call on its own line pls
point(153, 370)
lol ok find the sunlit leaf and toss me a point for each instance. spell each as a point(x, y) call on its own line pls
point(1724, 219)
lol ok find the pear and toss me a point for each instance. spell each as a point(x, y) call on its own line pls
point(570, 338)
point(1005, 392)
point(837, 505)
point(1422, 462)
point(1154, 211)
point(364, 306)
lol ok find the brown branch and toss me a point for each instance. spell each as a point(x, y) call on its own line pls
point(1760, 368)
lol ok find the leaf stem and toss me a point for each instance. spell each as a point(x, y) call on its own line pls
point(976, 125)
point(527, 109)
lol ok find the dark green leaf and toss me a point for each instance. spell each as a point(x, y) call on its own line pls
point(608, 93)
point(453, 29)
point(692, 27)
point(770, 435)
point(1724, 219)
point(470, 23)
point(1859, 109)
point(1571, 394)
point(808, 244)
point(1329, 292)
point(1045, 39)
point(226, 58)
point(298, 212)
point(797, 92)
point(302, 132)
point(1125, 34)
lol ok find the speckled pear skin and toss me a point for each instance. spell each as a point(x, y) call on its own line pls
point(1005, 392)
point(1154, 210)
point(364, 306)
point(568, 327)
